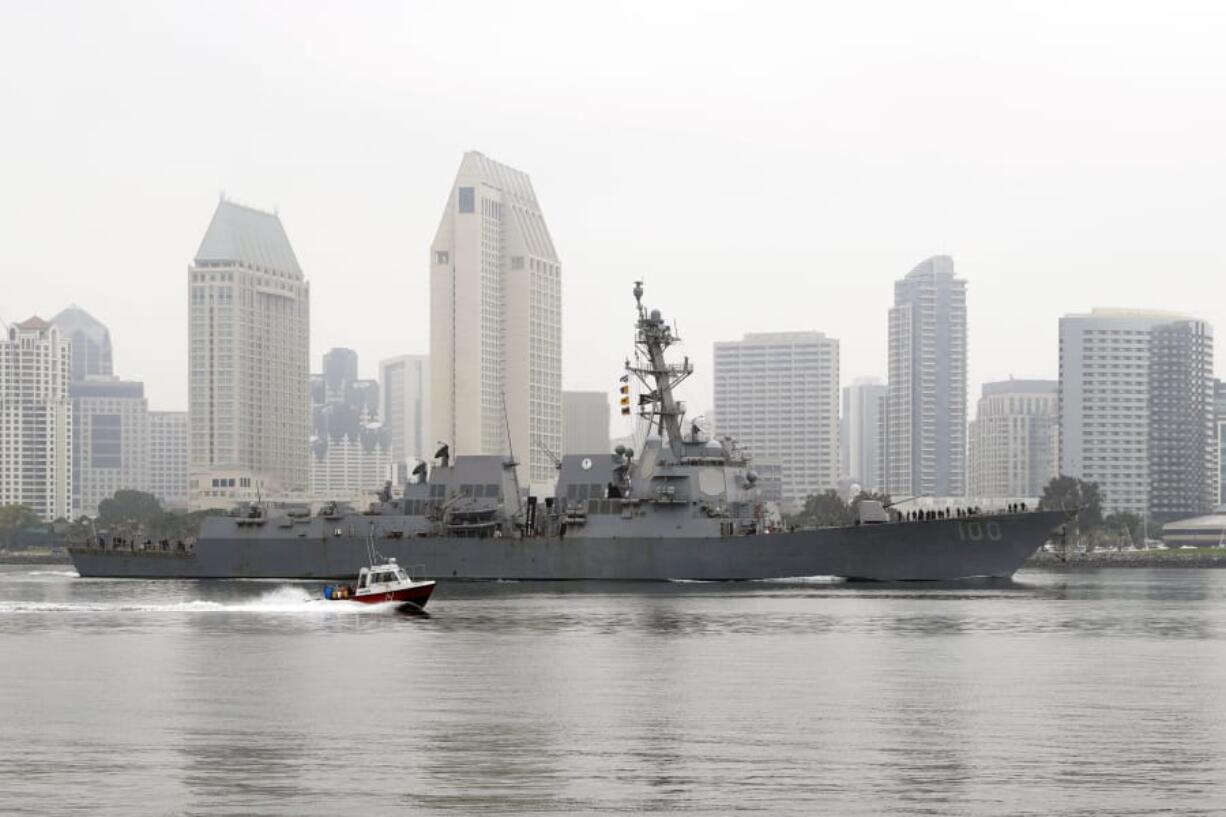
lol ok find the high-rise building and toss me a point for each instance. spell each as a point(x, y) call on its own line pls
point(404, 386)
point(90, 341)
point(1183, 460)
point(110, 433)
point(168, 434)
point(351, 451)
point(1219, 418)
point(1014, 439)
point(248, 386)
point(585, 423)
point(777, 395)
point(496, 321)
point(860, 452)
point(883, 439)
point(1136, 409)
point(36, 419)
point(340, 373)
point(926, 406)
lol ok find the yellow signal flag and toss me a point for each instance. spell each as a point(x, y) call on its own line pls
point(625, 401)
point(625, 389)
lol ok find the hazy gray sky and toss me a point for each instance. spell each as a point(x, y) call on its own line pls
point(763, 166)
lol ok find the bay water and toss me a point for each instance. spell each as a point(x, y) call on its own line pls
point(1096, 692)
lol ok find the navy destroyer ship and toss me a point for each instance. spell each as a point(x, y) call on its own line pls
point(684, 507)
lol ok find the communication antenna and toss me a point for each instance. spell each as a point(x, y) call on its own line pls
point(506, 418)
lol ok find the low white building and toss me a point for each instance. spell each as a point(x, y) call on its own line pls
point(350, 468)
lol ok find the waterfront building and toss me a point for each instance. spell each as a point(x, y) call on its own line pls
point(1013, 440)
point(861, 422)
point(777, 395)
point(110, 440)
point(585, 423)
point(36, 419)
point(926, 404)
point(1136, 409)
point(496, 322)
point(248, 346)
point(168, 469)
point(92, 355)
point(404, 387)
point(351, 451)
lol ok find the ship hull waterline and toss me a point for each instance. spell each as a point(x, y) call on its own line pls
point(939, 550)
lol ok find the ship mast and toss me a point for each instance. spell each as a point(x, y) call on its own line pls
point(652, 337)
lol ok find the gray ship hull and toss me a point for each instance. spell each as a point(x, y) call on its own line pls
point(940, 550)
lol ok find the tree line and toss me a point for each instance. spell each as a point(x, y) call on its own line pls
point(130, 514)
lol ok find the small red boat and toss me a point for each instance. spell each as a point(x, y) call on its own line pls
point(387, 583)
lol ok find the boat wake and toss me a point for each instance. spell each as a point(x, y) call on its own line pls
point(279, 601)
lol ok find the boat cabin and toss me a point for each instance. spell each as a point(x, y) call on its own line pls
point(380, 577)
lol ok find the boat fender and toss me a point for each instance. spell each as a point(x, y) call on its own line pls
point(328, 591)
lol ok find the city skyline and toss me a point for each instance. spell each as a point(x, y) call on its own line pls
point(891, 168)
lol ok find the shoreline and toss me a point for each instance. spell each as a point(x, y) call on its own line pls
point(1199, 557)
point(34, 556)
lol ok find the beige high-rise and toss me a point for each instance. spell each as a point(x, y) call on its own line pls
point(248, 388)
point(496, 322)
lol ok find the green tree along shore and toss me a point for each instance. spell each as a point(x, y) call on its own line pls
point(130, 514)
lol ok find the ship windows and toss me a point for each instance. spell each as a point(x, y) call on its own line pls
point(442, 257)
point(467, 200)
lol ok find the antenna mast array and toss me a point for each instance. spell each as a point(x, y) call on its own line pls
point(659, 377)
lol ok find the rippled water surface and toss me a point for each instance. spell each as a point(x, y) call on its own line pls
point(1089, 693)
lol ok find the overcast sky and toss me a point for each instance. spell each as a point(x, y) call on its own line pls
point(762, 166)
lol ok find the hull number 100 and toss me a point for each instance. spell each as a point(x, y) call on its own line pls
point(975, 531)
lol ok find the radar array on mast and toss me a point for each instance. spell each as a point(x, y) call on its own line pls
point(659, 377)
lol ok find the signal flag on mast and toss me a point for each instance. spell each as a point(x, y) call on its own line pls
point(625, 397)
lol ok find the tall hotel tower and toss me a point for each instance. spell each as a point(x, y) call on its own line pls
point(249, 402)
point(496, 322)
point(926, 406)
